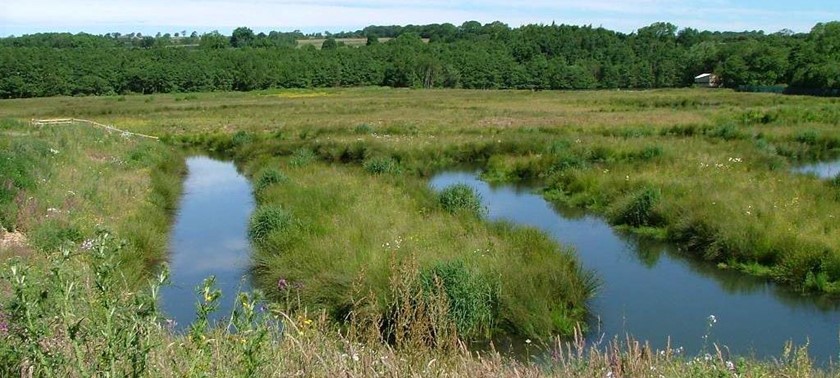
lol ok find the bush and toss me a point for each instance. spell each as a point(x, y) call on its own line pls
point(363, 128)
point(637, 209)
point(266, 220)
point(558, 146)
point(473, 300)
point(726, 132)
point(302, 157)
point(382, 165)
point(268, 178)
point(240, 138)
point(461, 198)
point(809, 137)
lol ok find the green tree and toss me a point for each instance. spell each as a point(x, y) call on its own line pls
point(241, 37)
point(213, 40)
point(329, 44)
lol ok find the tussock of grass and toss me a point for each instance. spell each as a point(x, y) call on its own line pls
point(267, 220)
point(267, 178)
point(460, 198)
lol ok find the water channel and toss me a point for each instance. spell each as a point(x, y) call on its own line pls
point(209, 239)
point(649, 289)
point(652, 292)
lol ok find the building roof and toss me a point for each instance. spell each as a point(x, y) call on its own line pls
point(702, 76)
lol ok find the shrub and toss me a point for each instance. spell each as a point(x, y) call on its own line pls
point(726, 132)
point(637, 209)
point(266, 220)
point(809, 137)
point(363, 128)
point(473, 300)
point(461, 198)
point(382, 165)
point(558, 146)
point(302, 157)
point(241, 138)
point(268, 178)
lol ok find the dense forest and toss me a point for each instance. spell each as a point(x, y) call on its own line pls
point(472, 55)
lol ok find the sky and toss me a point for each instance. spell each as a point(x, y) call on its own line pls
point(19, 17)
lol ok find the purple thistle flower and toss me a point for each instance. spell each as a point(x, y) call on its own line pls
point(282, 284)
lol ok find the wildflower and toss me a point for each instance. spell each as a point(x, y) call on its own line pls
point(282, 284)
point(87, 244)
point(730, 366)
point(527, 341)
point(53, 151)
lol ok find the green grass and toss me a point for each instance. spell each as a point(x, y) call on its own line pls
point(62, 184)
point(355, 230)
point(718, 159)
point(89, 325)
point(362, 238)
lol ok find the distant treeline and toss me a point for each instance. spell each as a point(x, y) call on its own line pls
point(468, 56)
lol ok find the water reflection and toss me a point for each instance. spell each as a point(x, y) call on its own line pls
point(654, 292)
point(825, 170)
point(209, 238)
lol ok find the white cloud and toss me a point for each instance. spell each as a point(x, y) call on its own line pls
point(626, 15)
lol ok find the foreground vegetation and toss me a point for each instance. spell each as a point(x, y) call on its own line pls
point(72, 317)
point(369, 273)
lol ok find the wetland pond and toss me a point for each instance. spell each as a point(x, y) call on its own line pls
point(652, 292)
point(209, 238)
point(823, 170)
point(649, 290)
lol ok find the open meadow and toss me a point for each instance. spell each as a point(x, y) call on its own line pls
point(365, 270)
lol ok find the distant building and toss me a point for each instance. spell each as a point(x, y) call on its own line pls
point(706, 80)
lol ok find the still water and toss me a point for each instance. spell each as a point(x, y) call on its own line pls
point(209, 238)
point(652, 292)
point(825, 170)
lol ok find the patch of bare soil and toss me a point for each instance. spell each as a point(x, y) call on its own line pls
point(12, 239)
point(497, 121)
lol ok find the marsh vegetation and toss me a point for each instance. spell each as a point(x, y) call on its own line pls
point(353, 249)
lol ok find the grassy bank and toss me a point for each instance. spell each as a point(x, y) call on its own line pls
point(63, 184)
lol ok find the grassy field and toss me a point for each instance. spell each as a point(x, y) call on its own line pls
point(346, 228)
point(351, 42)
point(711, 167)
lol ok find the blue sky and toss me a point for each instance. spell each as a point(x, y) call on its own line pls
point(150, 16)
